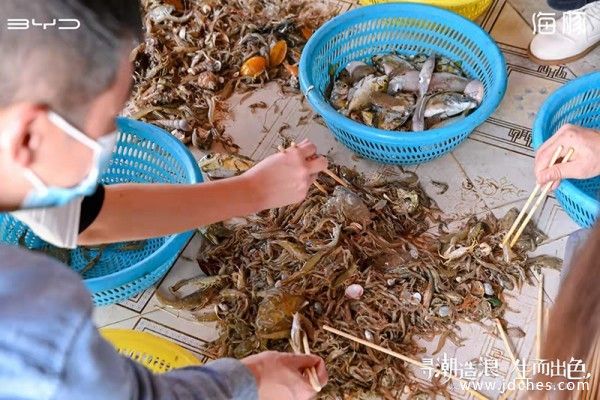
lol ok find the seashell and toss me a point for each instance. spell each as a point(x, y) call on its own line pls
point(254, 66)
point(488, 289)
point(354, 291)
point(391, 282)
point(477, 289)
point(369, 335)
point(417, 296)
point(278, 53)
point(444, 311)
point(209, 81)
point(223, 307)
point(180, 124)
point(485, 249)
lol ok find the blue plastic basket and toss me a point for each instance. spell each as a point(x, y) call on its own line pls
point(144, 154)
point(577, 103)
point(408, 29)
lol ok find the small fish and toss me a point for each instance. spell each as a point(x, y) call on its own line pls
point(447, 104)
point(418, 120)
point(339, 94)
point(368, 117)
point(426, 74)
point(358, 70)
point(440, 82)
point(391, 64)
point(475, 90)
point(444, 64)
point(417, 60)
point(407, 81)
point(438, 122)
point(220, 165)
point(400, 103)
point(361, 94)
point(447, 82)
point(390, 120)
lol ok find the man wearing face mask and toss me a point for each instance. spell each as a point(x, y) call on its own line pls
point(59, 93)
point(57, 152)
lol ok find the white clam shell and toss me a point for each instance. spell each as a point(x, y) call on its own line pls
point(354, 291)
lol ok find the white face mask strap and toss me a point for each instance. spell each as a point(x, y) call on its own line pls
point(72, 131)
point(35, 180)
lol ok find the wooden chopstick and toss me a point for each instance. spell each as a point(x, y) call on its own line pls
point(406, 359)
point(530, 199)
point(538, 202)
point(540, 316)
point(312, 372)
point(508, 347)
point(335, 177)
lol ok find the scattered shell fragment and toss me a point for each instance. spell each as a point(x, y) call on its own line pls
point(278, 53)
point(254, 66)
point(488, 289)
point(444, 311)
point(354, 291)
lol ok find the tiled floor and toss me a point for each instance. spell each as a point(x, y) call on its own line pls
point(490, 171)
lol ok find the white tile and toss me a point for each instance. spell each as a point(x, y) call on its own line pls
point(498, 176)
point(108, 315)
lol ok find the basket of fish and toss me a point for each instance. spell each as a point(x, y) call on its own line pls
point(112, 273)
point(471, 9)
point(402, 83)
point(575, 103)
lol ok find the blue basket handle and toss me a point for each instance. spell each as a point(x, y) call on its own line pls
point(313, 98)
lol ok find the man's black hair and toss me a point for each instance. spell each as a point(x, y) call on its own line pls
point(63, 68)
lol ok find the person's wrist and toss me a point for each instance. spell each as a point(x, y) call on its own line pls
point(254, 190)
point(254, 369)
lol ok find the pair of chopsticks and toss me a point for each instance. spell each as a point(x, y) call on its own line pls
point(406, 359)
point(327, 171)
point(537, 188)
point(542, 318)
point(304, 348)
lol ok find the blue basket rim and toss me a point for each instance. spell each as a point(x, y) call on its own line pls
point(556, 99)
point(149, 264)
point(432, 136)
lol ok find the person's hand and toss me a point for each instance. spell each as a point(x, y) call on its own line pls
point(285, 177)
point(584, 163)
point(282, 376)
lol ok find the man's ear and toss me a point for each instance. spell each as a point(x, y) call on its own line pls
point(16, 137)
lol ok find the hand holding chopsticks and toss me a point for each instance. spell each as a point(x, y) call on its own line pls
point(515, 226)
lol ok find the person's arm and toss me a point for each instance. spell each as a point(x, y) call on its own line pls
point(140, 211)
point(51, 349)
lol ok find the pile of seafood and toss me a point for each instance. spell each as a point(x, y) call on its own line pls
point(197, 53)
point(372, 258)
point(405, 93)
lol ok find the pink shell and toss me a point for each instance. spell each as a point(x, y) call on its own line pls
point(354, 291)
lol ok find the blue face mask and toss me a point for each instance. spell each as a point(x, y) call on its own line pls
point(42, 195)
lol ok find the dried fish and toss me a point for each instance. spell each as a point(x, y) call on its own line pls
point(220, 165)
